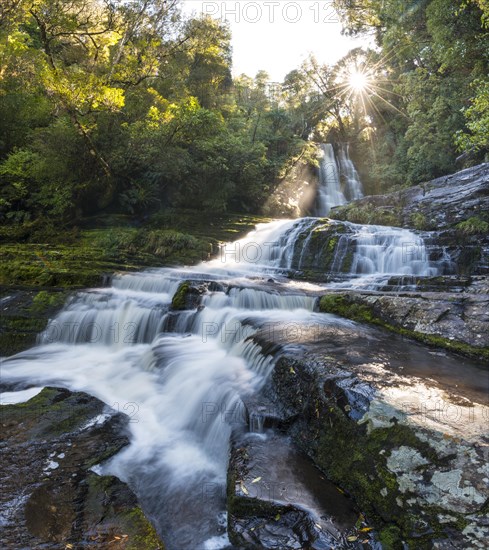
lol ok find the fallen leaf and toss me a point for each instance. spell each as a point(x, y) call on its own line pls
point(244, 489)
point(256, 480)
point(352, 538)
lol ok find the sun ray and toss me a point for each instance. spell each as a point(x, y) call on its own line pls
point(372, 91)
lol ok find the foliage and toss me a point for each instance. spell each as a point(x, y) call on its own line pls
point(476, 137)
point(128, 107)
point(428, 95)
point(473, 226)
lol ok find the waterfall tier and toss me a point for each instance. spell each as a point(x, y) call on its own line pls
point(331, 192)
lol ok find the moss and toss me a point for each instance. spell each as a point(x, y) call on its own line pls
point(340, 305)
point(109, 244)
point(390, 537)
point(179, 300)
point(473, 226)
point(345, 306)
point(24, 315)
point(142, 535)
point(12, 343)
point(418, 221)
point(347, 261)
point(45, 301)
point(365, 213)
point(54, 411)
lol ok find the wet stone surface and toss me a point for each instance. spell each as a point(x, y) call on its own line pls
point(49, 497)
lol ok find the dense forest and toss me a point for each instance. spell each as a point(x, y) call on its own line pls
point(129, 107)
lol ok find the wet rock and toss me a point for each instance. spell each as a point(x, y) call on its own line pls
point(434, 205)
point(454, 208)
point(49, 496)
point(272, 500)
point(416, 459)
point(188, 296)
point(457, 322)
point(24, 312)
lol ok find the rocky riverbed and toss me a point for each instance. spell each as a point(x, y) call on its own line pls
point(399, 427)
point(365, 398)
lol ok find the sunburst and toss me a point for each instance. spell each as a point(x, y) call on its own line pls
point(358, 80)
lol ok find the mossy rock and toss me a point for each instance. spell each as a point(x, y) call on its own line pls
point(51, 444)
point(352, 307)
point(355, 457)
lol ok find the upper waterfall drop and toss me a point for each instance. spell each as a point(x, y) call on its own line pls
point(330, 191)
point(354, 189)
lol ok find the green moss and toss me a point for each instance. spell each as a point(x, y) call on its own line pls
point(347, 261)
point(45, 300)
point(365, 213)
point(390, 537)
point(26, 314)
point(340, 305)
point(142, 535)
point(473, 226)
point(109, 244)
point(12, 343)
point(179, 300)
point(418, 221)
point(60, 412)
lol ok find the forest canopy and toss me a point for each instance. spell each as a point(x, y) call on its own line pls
point(127, 106)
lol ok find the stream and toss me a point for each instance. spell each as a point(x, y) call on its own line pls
point(183, 377)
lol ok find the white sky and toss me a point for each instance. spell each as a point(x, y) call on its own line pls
point(277, 35)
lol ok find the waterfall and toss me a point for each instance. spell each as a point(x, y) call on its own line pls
point(331, 172)
point(183, 387)
point(329, 192)
point(390, 250)
point(354, 189)
point(183, 376)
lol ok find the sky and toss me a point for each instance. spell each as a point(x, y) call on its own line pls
point(277, 35)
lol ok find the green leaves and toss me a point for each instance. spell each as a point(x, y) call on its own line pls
point(124, 105)
point(476, 137)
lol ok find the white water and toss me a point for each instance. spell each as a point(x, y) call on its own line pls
point(182, 390)
point(354, 189)
point(182, 376)
point(331, 192)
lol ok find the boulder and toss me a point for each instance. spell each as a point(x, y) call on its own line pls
point(50, 497)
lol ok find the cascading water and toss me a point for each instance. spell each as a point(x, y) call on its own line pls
point(183, 375)
point(184, 388)
point(354, 189)
point(330, 191)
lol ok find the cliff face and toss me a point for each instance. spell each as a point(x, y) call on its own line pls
point(442, 203)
